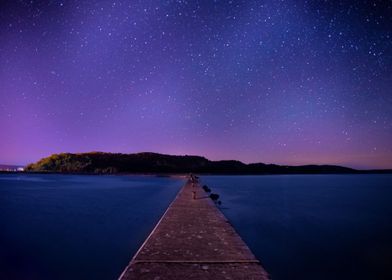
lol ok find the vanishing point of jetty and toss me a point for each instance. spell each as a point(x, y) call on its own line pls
point(193, 240)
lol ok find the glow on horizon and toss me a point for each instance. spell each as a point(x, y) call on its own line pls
point(275, 82)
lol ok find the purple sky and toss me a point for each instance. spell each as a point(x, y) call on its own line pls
point(287, 82)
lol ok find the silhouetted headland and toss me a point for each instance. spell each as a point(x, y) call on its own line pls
point(114, 163)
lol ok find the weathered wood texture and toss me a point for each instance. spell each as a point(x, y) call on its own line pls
point(193, 240)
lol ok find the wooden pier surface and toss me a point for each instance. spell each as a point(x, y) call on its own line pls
point(193, 240)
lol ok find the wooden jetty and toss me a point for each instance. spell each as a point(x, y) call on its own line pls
point(193, 240)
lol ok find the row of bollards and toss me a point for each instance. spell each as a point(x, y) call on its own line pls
point(195, 180)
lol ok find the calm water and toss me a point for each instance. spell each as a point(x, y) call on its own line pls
point(76, 227)
point(300, 227)
point(315, 226)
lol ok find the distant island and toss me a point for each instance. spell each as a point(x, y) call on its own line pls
point(117, 163)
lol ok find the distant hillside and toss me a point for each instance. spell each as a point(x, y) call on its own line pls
point(103, 163)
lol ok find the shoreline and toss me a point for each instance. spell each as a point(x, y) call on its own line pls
point(184, 174)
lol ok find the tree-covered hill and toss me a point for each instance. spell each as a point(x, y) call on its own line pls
point(99, 162)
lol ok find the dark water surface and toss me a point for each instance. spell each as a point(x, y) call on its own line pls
point(76, 227)
point(313, 227)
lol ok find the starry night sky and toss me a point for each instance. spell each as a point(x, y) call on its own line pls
point(287, 82)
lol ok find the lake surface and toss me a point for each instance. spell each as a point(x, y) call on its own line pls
point(77, 227)
point(301, 227)
point(313, 226)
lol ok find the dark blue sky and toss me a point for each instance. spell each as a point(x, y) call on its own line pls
point(288, 82)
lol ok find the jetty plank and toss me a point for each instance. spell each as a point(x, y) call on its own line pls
point(193, 240)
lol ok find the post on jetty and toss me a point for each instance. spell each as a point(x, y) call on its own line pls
point(193, 240)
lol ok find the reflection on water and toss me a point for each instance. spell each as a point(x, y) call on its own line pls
point(77, 227)
point(313, 226)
